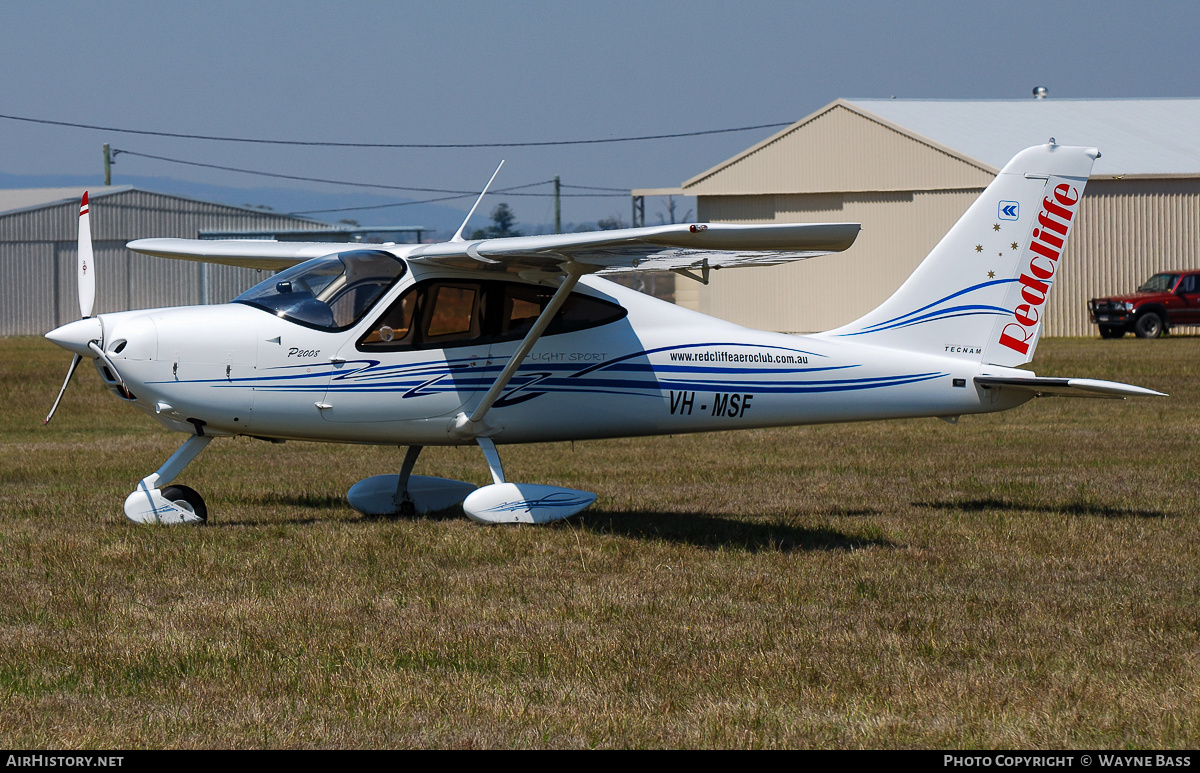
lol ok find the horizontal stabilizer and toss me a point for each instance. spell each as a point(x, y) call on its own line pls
point(1068, 387)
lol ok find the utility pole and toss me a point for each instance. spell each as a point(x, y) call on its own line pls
point(557, 207)
point(107, 166)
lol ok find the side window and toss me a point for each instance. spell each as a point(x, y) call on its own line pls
point(452, 313)
point(394, 328)
point(430, 315)
point(1188, 285)
point(581, 312)
point(438, 314)
point(524, 303)
point(522, 306)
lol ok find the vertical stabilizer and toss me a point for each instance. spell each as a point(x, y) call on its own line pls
point(981, 293)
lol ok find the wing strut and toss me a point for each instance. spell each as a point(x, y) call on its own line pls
point(702, 279)
point(464, 424)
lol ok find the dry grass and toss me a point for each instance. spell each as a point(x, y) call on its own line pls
point(1030, 579)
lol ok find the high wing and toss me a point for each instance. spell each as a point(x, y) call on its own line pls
point(656, 248)
point(248, 253)
point(659, 248)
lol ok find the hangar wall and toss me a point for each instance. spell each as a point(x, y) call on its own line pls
point(899, 229)
point(863, 162)
point(1127, 230)
point(38, 247)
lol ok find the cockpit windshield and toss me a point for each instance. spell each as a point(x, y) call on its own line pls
point(330, 293)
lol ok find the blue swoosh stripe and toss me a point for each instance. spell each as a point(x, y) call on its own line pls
point(889, 323)
point(949, 313)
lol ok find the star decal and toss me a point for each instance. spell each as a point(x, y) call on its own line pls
point(1013, 245)
point(979, 248)
point(995, 226)
point(991, 275)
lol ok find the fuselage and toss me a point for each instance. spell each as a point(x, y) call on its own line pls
point(626, 365)
point(517, 340)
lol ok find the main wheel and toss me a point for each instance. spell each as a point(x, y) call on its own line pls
point(188, 499)
point(1149, 325)
point(1110, 331)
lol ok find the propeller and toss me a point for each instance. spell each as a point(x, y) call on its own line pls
point(86, 262)
point(86, 273)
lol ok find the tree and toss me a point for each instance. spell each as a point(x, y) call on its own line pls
point(671, 213)
point(503, 220)
point(611, 223)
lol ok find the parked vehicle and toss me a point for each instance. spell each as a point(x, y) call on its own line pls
point(1164, 301)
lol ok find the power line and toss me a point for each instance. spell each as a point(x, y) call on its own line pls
point(592, 188)
point(441, 198)
point(117, 152)
point(380, 206)
point(399, 145)
point(511, 190)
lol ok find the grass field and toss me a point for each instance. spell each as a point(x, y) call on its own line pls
point(1027, 579)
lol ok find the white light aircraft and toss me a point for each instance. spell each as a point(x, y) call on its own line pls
point(517, 340)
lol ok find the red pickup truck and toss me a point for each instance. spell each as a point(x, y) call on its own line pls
point(1165, 300)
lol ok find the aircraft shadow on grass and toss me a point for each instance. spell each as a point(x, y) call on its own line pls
point(704, 530)
point(1073, 508)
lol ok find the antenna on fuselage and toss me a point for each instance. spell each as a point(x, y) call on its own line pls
point(458, 236)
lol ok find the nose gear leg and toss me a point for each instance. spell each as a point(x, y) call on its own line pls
point(147, 503)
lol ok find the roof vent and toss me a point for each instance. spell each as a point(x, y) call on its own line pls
point(1040, 92)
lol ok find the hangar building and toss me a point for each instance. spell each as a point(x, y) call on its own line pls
point(39, 243)
point(908, 169)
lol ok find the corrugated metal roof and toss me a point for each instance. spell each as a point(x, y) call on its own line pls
point(1135, 136)
point(17, 199)
point(14, 200)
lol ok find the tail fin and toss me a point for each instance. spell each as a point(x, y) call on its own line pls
point(981, 292)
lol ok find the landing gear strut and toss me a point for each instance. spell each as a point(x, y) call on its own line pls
point(173, 504)
point(404, 502)
point(407, 494)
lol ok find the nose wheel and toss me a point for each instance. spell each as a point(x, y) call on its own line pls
point(169, 504)
point(186, 498)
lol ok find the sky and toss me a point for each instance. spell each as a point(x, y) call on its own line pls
point(499, 72)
